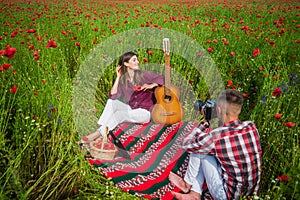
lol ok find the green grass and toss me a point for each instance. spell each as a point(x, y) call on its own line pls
point(39, 155)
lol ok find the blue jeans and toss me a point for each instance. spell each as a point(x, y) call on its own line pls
point(204, 167)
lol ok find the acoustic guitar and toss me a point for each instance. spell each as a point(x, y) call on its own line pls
point(167, 109)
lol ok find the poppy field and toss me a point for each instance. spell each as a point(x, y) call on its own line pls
point(255, 47)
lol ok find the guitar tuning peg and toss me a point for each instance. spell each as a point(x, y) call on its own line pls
point(166, 46)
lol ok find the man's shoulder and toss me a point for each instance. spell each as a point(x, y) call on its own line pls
point(248, 123)
point(235, 127)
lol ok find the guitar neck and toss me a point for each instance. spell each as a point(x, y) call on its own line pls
point(167, 75)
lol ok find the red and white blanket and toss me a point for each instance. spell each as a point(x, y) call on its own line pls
point(155, 150)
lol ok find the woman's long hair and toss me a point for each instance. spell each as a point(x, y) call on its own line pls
point(138, 77)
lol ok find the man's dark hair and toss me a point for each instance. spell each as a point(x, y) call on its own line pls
point(231, 96)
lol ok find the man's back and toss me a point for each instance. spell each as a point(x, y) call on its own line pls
point(239, 153)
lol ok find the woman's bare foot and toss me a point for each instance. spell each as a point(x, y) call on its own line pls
point(190, 196)
point(179, 182)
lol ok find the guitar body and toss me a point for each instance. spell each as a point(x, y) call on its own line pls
point(167, 109)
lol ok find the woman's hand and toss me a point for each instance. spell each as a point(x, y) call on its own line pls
point(114, 88)
point(148, 86)
point(118, 71)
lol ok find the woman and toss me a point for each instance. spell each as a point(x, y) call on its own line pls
point(135, 88)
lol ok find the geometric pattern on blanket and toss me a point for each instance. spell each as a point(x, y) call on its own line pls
point(155, 150)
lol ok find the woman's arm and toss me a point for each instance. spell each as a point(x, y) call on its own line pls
point(148, 86)
point(154, 79)
point(114, 93)
point(114, 89)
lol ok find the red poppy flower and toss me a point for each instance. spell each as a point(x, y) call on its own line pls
point(289, 124)
point(36, 55)
point(232, 53)
point(150, 52)
point(31, 47)
point(39, 38)
point(145, 60)
point(245, 28)
point(278, 116)
point(95, 41)
point(245, 96)
point(229, 83)
point(256, 52)
point(272, 43)
point(77, 44)
point(51, 43)
point(209, 49)
point(284, 178)
point(13, 34)
point(276, 92)
point(8, 52)
point(14, 89)
point(31, 31)
point(5, 66)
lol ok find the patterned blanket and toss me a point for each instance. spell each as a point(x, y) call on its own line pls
point(155, 151)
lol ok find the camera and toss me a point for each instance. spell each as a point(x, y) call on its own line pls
point(209, 108)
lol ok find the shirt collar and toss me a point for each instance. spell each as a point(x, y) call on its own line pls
point(232, 123)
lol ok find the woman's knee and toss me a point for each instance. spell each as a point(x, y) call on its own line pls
point(110, 101)
point(140, 116)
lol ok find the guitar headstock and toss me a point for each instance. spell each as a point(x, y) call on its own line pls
point(166, 46)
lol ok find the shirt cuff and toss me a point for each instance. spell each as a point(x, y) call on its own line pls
point(203, 125)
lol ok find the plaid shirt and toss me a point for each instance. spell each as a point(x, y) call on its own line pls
point(237, 148)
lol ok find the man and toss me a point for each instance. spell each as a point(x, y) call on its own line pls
point(228, 157)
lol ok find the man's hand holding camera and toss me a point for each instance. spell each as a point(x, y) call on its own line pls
point(207, 109)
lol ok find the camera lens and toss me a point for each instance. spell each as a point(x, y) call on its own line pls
point(198, 105)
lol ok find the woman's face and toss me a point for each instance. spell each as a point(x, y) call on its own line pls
point(133, 63)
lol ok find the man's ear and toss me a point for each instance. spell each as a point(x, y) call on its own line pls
point(219, 110)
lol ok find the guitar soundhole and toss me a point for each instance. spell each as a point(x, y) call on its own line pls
point(168, 98)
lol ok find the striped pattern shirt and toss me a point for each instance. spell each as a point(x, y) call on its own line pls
point(237, 148)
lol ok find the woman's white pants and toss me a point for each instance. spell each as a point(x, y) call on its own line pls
point(116, 112)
